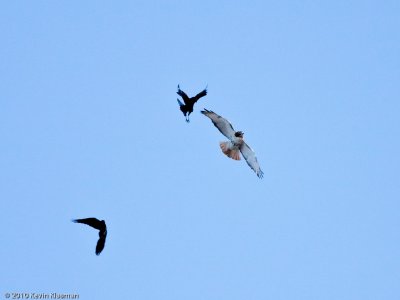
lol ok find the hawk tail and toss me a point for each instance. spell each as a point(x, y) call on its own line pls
point(234, 154)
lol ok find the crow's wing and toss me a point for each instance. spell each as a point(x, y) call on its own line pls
point(222, 124)
point(251, 159)
point(93, 222)
point(183, 95)
point(100, 244)
point(199, 95)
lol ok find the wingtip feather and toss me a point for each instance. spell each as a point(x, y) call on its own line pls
point(260, 174)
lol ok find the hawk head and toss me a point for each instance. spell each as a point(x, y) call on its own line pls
point(239, 134)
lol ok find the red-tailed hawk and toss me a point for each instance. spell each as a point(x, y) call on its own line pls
point(236, 144)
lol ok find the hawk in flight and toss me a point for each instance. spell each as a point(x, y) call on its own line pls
point(187, 108)
point(99, 225)
point(236, 144)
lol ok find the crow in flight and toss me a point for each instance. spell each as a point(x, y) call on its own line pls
point(236, 144)
point(101, 226)
point(187, 108)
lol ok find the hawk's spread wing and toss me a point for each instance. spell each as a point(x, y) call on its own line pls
point(183, 95)
point(251, 159)
point(222, 124)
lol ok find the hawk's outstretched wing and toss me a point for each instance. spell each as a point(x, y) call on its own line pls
point(251, 159)
point(222, 124)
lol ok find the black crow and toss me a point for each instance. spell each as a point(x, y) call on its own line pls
point(101, 226)
point(187, 108)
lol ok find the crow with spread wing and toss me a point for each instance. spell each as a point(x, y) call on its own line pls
point(236, 144)
point(99, 225)
point(187, 108)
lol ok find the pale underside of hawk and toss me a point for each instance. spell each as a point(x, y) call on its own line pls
point(236, 144)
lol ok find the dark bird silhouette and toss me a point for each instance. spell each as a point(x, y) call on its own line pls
point(187, 108)
point(99, 225)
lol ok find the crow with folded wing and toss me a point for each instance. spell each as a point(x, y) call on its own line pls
point(99, 225)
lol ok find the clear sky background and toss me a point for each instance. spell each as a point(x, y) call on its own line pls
point(90, 127)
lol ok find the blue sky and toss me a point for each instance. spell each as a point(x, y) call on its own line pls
point(90, 127)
